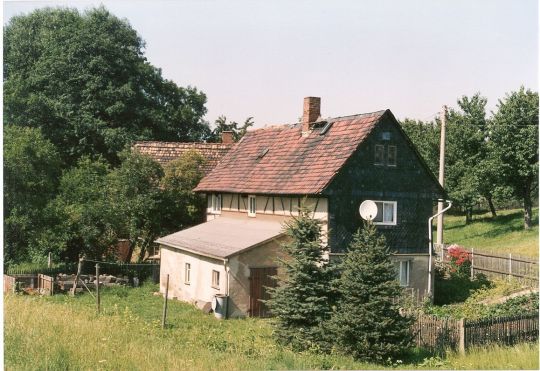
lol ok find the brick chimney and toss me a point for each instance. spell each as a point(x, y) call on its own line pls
point(227, 137)
point(312, 111)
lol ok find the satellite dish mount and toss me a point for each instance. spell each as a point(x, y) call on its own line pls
point(368, 210)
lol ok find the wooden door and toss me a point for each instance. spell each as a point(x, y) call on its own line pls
point(260, 279)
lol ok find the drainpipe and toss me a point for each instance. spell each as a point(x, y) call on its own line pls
point(430, 227)
point(226, 266)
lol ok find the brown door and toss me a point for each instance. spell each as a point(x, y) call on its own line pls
point(260, 279)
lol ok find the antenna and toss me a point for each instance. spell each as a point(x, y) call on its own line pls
point(368, 210)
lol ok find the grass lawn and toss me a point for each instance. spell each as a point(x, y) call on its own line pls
point(61, 332)
point(504, 234)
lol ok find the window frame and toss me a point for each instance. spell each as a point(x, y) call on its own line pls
point(394, 214)
point(376, 152)
point(187, 273)
point(250, 213)
point(215, 279)
point(394, 164)
point(404, 265)
point(216, 203)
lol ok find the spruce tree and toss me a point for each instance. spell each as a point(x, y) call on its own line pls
point(302, 299)
point(367, 323)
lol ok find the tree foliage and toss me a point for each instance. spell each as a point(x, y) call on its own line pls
point(84, 216)
point(31, 170)
point(367, 323)
point(302, 300)
point(136, 192)
point(425, 137)
point(514, 139)
point(237, 130)
point(183, 207)
point(84, 81)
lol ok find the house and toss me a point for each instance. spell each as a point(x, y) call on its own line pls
point(334, 165)
point(164, 152)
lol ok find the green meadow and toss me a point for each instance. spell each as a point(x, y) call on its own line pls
point(503, 234)
point(65, 333)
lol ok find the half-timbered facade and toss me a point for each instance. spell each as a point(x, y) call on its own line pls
point(331, 166)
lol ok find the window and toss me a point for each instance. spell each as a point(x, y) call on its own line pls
point(386, 213)
point(187, 274)
point(252, 206)
point(392, 154)
point(216, 203)
point(215, 279)
point(403, 268)
point(379, 154)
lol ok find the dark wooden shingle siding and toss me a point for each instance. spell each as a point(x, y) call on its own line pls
point(409, 183)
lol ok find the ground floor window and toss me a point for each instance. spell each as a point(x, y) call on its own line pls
point(403, 268)
point(187, 274)
point(215, 279)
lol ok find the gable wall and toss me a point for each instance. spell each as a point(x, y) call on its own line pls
point(409, 184)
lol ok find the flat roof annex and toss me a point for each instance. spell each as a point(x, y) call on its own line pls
point(221, 238)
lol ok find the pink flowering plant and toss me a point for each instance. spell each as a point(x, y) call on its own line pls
point(459, 260)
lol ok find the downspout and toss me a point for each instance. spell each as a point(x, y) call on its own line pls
point(430, 247)
point(226, 266)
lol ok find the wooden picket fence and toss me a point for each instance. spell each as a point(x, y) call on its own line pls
point(46, 284)
point(493, 265)
point(439, 334)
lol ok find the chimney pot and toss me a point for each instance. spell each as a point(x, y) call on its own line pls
point(227, 137)
point(312, 111)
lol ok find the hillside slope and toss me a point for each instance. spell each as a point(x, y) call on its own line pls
point(504, 234)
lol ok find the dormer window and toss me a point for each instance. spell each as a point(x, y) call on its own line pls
point(252, 206)
point(216, 203)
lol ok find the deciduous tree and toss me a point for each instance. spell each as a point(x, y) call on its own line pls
point(84, 80)
point(31, 171)
point(514, 138)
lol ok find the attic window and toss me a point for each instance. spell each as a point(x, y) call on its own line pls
point(386, 135)
point(379, 154)
point(263, 153)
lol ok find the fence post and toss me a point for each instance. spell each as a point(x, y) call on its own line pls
point(510, 265)
point(461, 325)
point(97, 287)
point(165, 304)
point(472, 263)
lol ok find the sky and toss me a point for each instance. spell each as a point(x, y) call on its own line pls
point(261, 58)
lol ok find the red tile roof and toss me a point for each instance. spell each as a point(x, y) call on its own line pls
point(164, 152)
point(278, 160)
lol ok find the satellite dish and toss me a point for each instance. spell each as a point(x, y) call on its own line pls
point(368, 210)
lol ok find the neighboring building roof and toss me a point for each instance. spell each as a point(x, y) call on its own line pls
point(279, 160)
point(223, 237)
point(164, 152)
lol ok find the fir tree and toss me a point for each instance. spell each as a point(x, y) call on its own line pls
point(302, 299)
point(367, 323)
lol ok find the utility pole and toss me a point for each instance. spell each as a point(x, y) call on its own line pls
point(440, 218)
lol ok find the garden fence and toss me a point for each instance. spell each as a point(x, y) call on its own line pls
point(492, 265)
point(439, 334)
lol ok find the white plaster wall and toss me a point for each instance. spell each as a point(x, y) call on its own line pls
point(199, 291)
